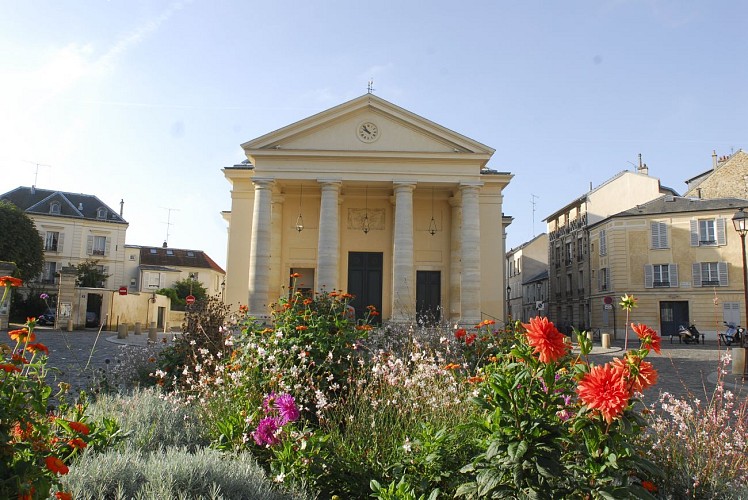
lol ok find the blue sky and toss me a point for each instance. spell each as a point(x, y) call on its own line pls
point(146, 101)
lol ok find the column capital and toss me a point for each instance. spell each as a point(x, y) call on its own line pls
point(330, 182)
point(263, 182)
point(465, 185)
point(399, 185)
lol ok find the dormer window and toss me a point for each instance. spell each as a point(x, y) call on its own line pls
point(154, 251)
point(54, 207)
point(190, 253)
point(101, 213)
point(169, 251)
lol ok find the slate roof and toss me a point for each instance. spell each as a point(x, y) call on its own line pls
point(679, 204)
point(176, 257)
point(37, 201)
point(541, 276)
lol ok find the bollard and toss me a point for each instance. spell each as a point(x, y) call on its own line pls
point(738, 360)
point(590, 336)
point(138, 328)
point(70, 325)
point(605, 340)
point(152, 335)
point(122, 331)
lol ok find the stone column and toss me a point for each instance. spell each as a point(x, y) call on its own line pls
point(403, 268)
point(259, 254)
point(328, 248)
point(470, 236)
point(454, 265)
point(276, 244)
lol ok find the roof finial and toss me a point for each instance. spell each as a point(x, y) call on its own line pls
point(370, 86)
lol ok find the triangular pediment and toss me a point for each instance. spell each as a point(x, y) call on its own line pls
point(339, 129)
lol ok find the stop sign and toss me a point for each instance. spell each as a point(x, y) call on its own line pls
point(190, 299)
point(123, 290)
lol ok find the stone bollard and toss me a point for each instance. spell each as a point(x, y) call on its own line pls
point(590, 337)
point(70, 325)
point(605, 340)
point(138, 328)
point(152, 335)
point(122, 331)
point(738, 360)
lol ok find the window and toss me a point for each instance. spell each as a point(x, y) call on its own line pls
point(132, 257)
point(603, 279)
point(603, 243)
point(154, 251)
point(54, 207)
point(708, 232)
point(568, 283)
point(170, 252)
point(99, 245)
point(580, 284)
point(660, 275)
point(48, 272)
point(709, 274)
point(190, 253)
point(101, 213)
point(568, 253)
point(580, 249)
point(659, 235)
point(53, 241)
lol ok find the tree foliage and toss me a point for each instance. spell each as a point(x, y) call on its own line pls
point(20, 242)
point(188, 286)
point(91, 274)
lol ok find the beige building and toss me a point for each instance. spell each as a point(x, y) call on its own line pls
point(568, 241)
point(369, 198)
point(526, 294)
point(679, 256)
point(728, 178)
point(150, 268)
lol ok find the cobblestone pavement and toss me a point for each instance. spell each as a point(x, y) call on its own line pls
point(686, 370)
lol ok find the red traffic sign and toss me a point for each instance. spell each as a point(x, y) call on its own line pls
point(190, 299)
point(608, 299)
point(123, 290)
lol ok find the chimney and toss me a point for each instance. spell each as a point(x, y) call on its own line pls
point(164, 245)
point(642, 166)
point(121, 206)
point(698, 192)
point(33, 190)
point(714, 159)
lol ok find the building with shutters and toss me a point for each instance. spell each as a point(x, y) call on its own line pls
point(372, 199)
point(75, 228)
point(527, 279)
point(680, 257)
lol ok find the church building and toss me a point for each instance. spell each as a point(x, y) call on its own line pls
point(370, 199)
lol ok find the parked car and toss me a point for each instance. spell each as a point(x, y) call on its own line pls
point(47, 317)
point(92, 319)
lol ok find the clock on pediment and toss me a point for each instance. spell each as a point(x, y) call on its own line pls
point(367, 132)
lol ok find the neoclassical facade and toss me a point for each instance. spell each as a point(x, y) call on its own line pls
point(369, 198)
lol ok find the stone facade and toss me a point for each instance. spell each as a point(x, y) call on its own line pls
point(727, 179)
point(524, 265)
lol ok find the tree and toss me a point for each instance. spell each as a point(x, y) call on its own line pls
point(91, 274)
point(189, 286)
point(20, 242)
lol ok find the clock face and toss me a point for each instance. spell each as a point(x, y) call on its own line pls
point(368, 132)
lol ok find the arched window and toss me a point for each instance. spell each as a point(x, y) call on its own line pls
point(101, 213)
point(54, 207)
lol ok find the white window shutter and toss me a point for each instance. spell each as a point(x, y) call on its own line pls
point(108, 244)
point(162, 280)
point(722, 273)
point(648, 276)
point(663, 236)
point(721, 236)
point(89, 245)
point(694, 233)
point(673, 268)
point(60, 242)
point(603, 243)
point(600, 280)
point(696, 270)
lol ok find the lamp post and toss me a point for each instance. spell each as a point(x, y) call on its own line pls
point(740, 221)
point(508, 308)
point(223, 290)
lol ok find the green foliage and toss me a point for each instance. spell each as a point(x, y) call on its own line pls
point(90, 274)
point(171, 473)
point(399, 490)
point(21, 242)
point(177, 304)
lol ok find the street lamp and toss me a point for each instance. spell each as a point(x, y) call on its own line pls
point(740, 221)
point(223, 289)
point(508, 297)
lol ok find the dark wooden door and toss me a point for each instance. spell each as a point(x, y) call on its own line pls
point(365, 281)
point(428, 296)
point(672, 315)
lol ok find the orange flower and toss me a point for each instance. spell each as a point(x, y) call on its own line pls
point(38, 347)
point(243, 308)
point(77, 443)
point(27, 495)
point(452, 366)
point(18, 359)
point(373, 313)
point(296, 275)
point(301, 328)
point(649, 486)
point(10, 281)
point(22, 335)
point(475, 380)
point(9, 368)
point(56, 465)
point(638, 373)
point(603, 390)
point(548, 342)
point(307, 301)
point(61, 495)
point(79, 427)
point(648, 337)
point(470, 339)
point(460, 334)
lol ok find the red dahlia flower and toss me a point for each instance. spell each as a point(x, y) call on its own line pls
point(548, 342)
point(604, 390)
